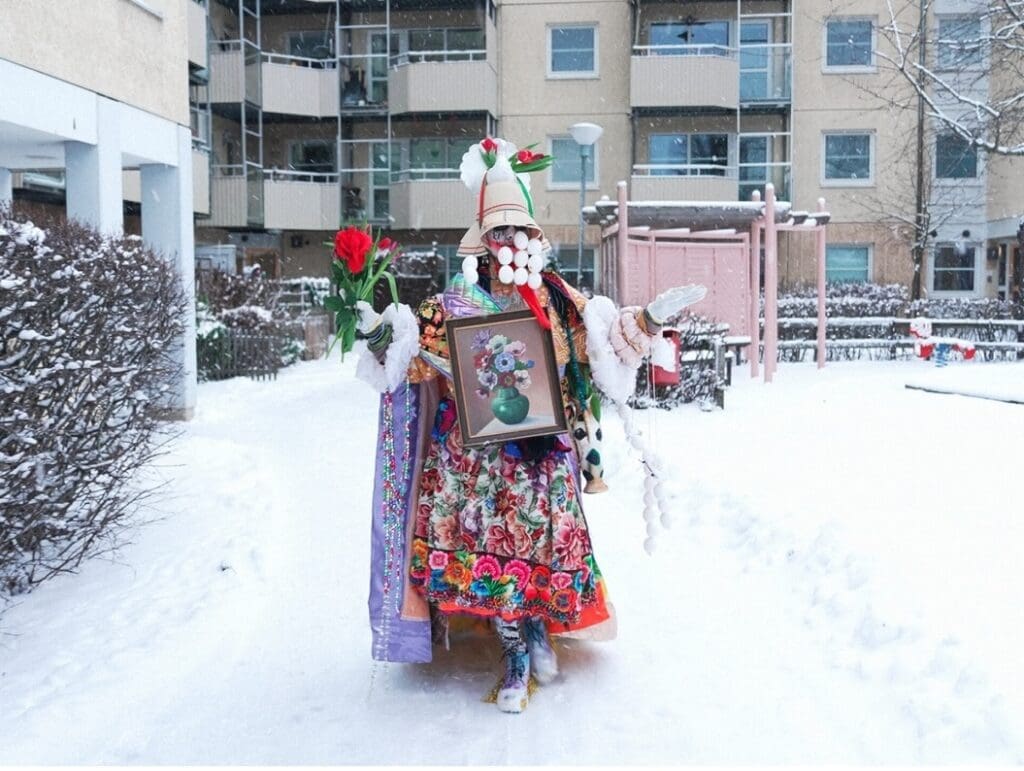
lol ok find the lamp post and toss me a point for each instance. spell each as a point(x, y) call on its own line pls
point(585, 135)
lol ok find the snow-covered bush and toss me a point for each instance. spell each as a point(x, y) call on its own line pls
point(847, 300)
point(417, 277)
point(240, 326)
point(90, 326)
point(863, 314)
point(699, 380)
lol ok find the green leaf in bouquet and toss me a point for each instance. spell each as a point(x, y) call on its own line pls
point(334, 304)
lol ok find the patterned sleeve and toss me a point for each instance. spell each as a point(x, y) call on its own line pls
point(430, 317)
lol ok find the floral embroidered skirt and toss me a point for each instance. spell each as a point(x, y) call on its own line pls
point(500, 535)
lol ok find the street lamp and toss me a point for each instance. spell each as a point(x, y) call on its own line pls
point(585, 135)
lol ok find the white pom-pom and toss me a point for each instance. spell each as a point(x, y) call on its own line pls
point(666, 520)
point(504, 255)
point(637, 441)
point(471, 276)
point(521, 276)
point(652, 525)
point(649, 546)
point(506, 274)
point(534, 281)
point(469, 265)
point(520, 239)
point(533, 246)
point(649, 500)
point(520, 259)
point(535, 263)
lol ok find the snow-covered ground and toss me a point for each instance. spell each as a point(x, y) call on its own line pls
point(842, 584)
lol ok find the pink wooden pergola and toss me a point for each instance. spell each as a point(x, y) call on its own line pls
point(649, 246)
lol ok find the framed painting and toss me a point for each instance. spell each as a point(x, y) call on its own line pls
point(505, 378)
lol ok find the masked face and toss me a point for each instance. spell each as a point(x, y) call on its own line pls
point(496, 238)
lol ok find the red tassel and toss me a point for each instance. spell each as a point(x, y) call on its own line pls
point(531, 299)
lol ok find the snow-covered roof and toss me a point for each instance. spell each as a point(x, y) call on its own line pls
point(696, 215)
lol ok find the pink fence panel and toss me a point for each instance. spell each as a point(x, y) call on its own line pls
point(653, 266)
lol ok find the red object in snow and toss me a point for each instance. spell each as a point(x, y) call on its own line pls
point(661, 376)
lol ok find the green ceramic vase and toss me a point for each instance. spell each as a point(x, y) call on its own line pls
point(510, 406)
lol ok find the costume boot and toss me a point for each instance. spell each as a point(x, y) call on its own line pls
point(543, 662)
point(513, 694)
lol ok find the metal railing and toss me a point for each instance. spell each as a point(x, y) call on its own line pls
point(300, 61)
point(686, 49)
point(411, 174)
point(232, 355)
point(294, 175)
point(416, 57)
point(684, 170)
point(224, 170)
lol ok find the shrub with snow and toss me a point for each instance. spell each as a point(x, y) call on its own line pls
point(90, 327)
point(240, 326)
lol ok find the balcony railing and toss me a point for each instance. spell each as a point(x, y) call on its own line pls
point(686, 49)
point(300, 61)
point(416, 57)
point(413, 174)
point(684, 182)
point(685, 76)
point(684, 170)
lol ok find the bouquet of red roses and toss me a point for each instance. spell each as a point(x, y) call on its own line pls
point(360, 261)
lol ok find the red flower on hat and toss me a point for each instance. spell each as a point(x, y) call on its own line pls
point(528, 156)
point(386, 246)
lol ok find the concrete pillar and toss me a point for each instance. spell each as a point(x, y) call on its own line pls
point(6, 191)
point(94, 193)
point(167, 228)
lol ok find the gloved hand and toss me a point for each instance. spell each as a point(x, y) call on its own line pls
point(671, 301)
point(369, 319)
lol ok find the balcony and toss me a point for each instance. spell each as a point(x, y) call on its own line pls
point(693, 76)
point(297, 85)
point(227, 72)
point(435, 202)
point(200, 181)
point(197, 33)
point(295, 200)
point(228, 197)
point(674, 182)
point(443, 81)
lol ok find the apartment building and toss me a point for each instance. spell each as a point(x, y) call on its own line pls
point(94, 122)
point(327, 111)
point(309, 113)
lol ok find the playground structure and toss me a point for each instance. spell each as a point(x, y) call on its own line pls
point(648, 246)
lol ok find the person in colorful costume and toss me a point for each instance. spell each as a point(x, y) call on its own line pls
point(496, 531)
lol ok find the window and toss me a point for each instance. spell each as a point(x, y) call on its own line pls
point(566, 260)
point(955, 158)
point(848, 159)
point(312, 44)
point(312, 155)
point(692, 154)
point(959, 44)
point(849, 44)
point(754, 60)
point(696, 38)
point(565, 171)
point(436, 157)
point(753, 168)
point(572, 51)
point(954, 268)
point(847, 263)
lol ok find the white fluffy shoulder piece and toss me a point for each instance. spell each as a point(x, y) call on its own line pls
point(614, 377)
point(405, 344)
